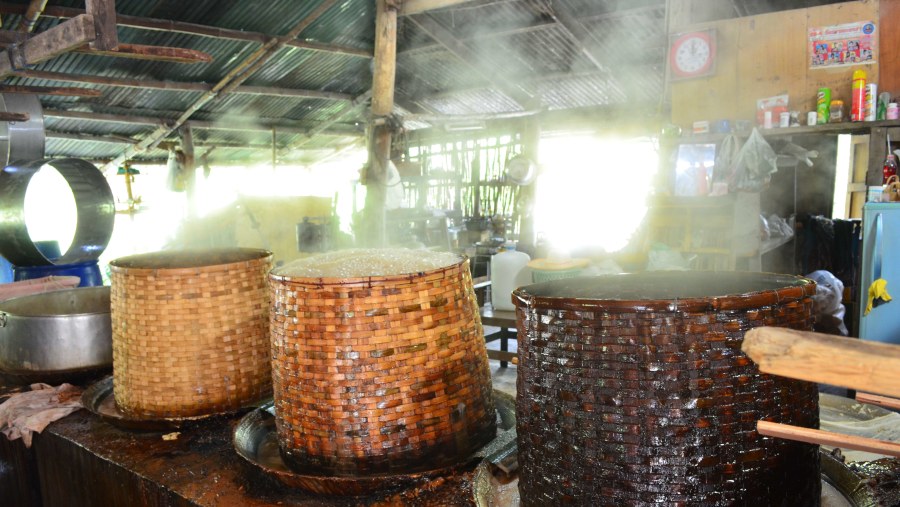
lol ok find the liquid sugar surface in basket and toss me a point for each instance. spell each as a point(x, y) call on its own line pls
point(190, 332)
point(379, 374)
point(633, 390)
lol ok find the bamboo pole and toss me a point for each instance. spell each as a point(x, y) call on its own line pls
point(29, 19)
point(821, 437)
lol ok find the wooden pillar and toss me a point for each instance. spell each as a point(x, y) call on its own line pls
point(190, 166)
point(531, 136)
point(382, 105)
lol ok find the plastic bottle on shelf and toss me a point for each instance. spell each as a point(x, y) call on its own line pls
point(890, 168)
point(858, 103)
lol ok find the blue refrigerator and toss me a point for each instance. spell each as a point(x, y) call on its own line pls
point(880, 259)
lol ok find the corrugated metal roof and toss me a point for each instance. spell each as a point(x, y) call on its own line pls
point(511, 44)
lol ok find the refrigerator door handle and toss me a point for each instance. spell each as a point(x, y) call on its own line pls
point(877, 254)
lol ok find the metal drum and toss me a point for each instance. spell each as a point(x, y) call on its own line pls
point(93, 200)
point(633, 390)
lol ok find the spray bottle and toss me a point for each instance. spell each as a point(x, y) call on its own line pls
point(858, 106)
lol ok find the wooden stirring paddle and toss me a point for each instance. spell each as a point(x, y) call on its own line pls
point(847, 362)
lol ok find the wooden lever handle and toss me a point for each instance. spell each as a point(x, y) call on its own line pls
point(847, 362)
point(882, 401)
point(821, 437)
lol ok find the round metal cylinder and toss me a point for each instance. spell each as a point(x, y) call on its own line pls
point(633, 390)
point(379, 374)
point(190, 332)
point(94, 205)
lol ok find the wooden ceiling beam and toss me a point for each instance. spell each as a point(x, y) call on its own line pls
point(409, 7)
point(240, 124)
point(154, 53)
point(232, 79)
point(519, 94)
point(32, 13)
point(577, 32)
point(79, 136)
point(45, 45)
point(165, 25)
point(178, 86)
point(60, 91)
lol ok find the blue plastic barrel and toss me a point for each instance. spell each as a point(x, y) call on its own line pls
point(89, 272)
point(6, 271)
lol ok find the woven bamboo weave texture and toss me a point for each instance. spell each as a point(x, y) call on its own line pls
point(381, 374)
point(190, 332)
point(642, 402)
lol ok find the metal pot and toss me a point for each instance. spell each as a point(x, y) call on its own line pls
point(57, 334)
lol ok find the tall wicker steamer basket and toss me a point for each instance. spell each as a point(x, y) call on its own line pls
point(379, 374)
point(633, 390)
point(190, 332)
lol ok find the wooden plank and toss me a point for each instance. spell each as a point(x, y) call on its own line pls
point(889, 37)
point(155, 53)
point(104, 13)
point(847, 362)
point(8, 116)
point(62, 91)
point(45, 45)
point(821, 437)
point(881, 401)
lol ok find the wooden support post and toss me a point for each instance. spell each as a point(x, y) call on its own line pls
point(45, 45)
point(382, 105)
point(104, 13)
point(531, 137)
point(190, 173)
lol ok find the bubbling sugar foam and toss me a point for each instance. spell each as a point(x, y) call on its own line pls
point(362, 262)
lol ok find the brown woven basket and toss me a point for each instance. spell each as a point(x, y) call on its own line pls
point(190, 332)
point(633, 390)
point(380, 374)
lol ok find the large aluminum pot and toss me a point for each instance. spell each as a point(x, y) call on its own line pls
point(56, 334)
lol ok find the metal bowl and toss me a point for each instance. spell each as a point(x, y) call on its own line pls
point(56, 335)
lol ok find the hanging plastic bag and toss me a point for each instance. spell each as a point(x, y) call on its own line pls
point(756, 162)
point(726, 157)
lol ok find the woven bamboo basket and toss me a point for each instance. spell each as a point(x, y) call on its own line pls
point(190, 332)
point(381, 374)
point(633, 390)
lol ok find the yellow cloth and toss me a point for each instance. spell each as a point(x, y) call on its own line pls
point(878, 290)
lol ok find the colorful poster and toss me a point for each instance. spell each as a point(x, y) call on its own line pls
point(841, 45)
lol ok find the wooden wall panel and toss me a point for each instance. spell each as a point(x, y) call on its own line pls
point(890, 39)
point(761, 56)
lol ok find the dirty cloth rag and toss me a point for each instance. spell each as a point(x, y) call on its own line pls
point(24, 413)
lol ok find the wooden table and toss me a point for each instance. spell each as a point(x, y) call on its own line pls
point(506, 321)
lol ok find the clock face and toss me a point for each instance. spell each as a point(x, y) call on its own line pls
point(692, 54)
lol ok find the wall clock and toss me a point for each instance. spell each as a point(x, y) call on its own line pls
point(692, 54)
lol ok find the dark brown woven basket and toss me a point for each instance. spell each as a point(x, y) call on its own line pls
point(190, 332)
point(633, 390)
point(380, 374)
